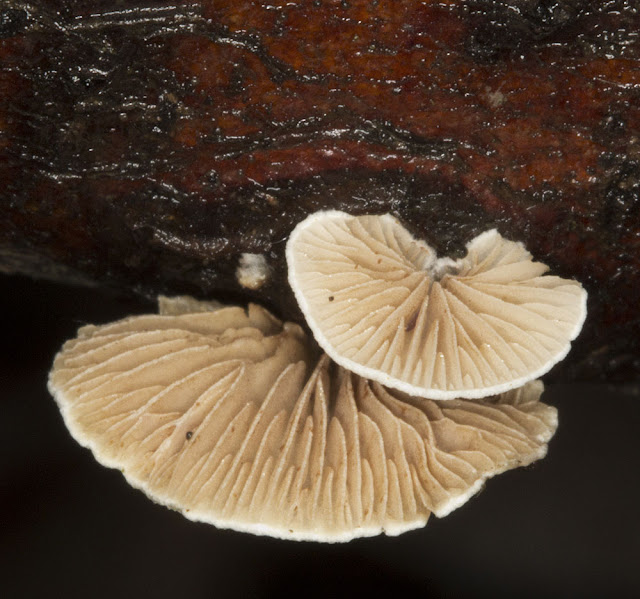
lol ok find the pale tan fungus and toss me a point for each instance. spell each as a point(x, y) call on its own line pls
point(253, 271)
point(225, 416)
point(382, 305)
point(182, 304)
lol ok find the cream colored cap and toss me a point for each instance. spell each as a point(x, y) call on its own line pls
point(226, 418)
point(382, 305)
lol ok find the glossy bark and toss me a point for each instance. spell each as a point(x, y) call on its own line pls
point(148, 147)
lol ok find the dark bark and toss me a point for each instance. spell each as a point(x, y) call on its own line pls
point(147, 148)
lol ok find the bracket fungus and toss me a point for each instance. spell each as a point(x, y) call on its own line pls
point(231, 417)
point(382, 305)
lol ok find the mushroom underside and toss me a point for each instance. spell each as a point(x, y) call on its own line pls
point(228, 416)
point(382, 305)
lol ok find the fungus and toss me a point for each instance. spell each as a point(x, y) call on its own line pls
point(229, 417)
point(253, 271)
point(182, 304)
point(382, 305)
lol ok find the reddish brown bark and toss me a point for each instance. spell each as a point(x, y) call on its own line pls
point(149, 147)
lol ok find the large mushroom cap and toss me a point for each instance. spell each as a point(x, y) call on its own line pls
point(382, 305)
point(226, 417)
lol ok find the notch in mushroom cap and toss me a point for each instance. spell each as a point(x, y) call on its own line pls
point(381, 304)
point(223, 416)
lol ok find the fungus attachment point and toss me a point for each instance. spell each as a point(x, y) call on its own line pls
point(225, 416)
point(435, 328)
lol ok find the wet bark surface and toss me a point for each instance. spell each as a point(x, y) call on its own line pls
point(148, 147)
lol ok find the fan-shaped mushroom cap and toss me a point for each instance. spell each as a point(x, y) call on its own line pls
point(223, 416)
point(381, 305)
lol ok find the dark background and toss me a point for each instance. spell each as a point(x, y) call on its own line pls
point(568, 526)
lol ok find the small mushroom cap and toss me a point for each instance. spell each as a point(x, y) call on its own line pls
point(382, 305)
point(225, 417)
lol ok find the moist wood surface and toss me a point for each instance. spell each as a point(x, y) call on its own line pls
point(147, 148)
